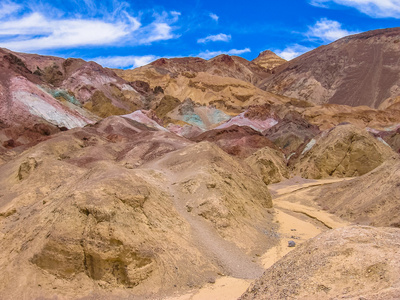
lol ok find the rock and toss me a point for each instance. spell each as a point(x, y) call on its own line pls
point(270, 164)
point(26, 168)
point(291, 132)
point(291, 244)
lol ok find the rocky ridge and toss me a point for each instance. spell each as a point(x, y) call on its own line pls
point(356, 70)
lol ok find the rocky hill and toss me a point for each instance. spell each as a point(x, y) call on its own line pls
point(120, 208)
point(361, 69)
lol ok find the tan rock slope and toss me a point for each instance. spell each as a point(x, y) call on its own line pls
point(357, 70)
point(270, 164)
point(356, 262)
point(221, 65)
point(371, 199)
point(344, 151)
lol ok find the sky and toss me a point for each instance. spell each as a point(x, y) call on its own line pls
point(129, 34)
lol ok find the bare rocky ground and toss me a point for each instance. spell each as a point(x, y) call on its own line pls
point(355, 262)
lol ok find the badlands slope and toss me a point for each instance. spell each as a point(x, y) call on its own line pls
point(360, 69)
point(183, 179)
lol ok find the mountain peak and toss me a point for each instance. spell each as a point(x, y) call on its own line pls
point(268, 60)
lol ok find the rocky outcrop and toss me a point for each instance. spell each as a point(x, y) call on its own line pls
point(270, 164)
point(353, 262)
point(291, 133)
point(268, 60)
point(344, 151)
point(236, 140)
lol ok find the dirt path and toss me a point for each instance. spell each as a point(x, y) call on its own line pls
point(298, 221)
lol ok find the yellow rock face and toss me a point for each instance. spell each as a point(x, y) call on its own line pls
point(345, 151)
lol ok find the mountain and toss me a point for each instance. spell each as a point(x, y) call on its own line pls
point(361, 69)
point(343, 151)
point(41, 95)
point(222, 65)
point(224, 82)
point(268, 60)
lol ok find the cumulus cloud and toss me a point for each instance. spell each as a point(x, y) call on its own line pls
point(222, 37)
point(372, 8)
point(210, 54)
point(125, 61)
point(292, 51)
point(35, 30)
point(328, 30)
point(214, 17)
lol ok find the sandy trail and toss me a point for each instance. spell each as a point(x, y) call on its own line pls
point(297, 222)
point(297, 183)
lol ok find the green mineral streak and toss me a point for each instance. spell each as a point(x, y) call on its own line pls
point(64, 94)
point(61, 94)
point(194, 119)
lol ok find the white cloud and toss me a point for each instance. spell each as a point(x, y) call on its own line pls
point(372, 8)
point(160, 29)
point(222, 37)
point(292, 51)
point(8, 8)
point(319, 3)
point(157, 32)
point(210, 54)
point(328, 30)
point(62, 33)
point(36, 31)
point(214, 17)
point(125, 61)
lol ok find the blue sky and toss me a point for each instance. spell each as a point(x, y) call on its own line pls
point(126, 34)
